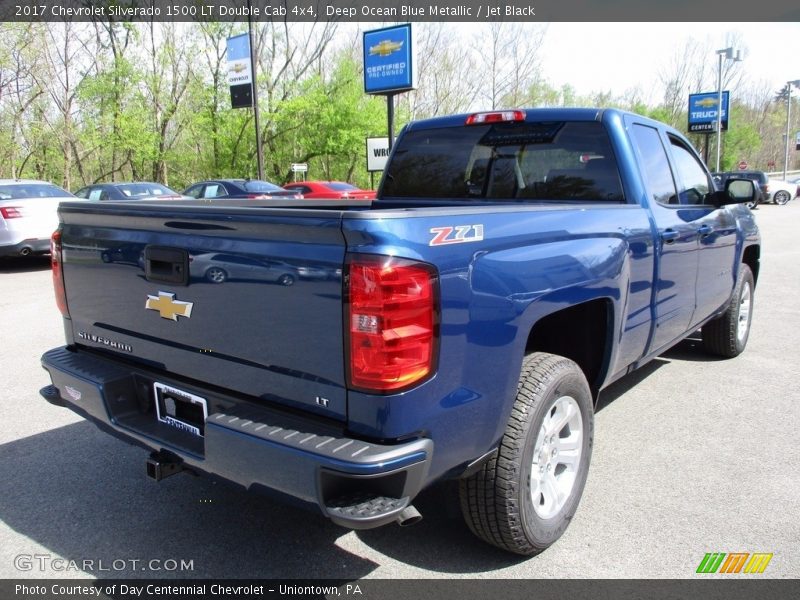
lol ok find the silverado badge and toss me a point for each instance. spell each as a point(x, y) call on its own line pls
point(168, 307)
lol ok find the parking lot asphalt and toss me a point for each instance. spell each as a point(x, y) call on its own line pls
point(692, 455)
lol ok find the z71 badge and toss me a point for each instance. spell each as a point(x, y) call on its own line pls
point(458, 234)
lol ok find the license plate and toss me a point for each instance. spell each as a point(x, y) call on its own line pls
point(180, 409)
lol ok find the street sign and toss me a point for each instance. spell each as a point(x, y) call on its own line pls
point(797, 141)
point(742, 165)
point(703, 112)
point(377, 153)
point(389, 60)
point(299, 167)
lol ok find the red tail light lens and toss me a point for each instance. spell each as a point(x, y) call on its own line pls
point(58, 273)
point(10, 212)
point(392, 323)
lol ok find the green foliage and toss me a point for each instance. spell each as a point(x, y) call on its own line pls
point(154, 103)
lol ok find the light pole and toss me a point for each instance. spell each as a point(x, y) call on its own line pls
point(729, 55)
point(789, 85)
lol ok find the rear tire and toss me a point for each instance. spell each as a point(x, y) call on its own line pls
point(216, 275)
point(781, 197)
point(525, 496)
point(727, 334)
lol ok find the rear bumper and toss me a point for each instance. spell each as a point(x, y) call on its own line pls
point(25, 247)
point(357, 484)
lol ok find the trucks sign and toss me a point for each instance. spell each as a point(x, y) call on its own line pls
point(389, 60)
point(703, 111)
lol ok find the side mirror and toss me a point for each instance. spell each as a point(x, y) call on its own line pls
point(737, 191)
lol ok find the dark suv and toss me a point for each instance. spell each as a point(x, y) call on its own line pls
point(759, 177)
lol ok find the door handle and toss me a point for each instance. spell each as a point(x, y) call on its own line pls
point(669, 236)
point(705, 230)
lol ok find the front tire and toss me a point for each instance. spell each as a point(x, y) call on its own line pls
point(525, 496)
point(727, 334)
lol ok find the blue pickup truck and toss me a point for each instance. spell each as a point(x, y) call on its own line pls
point(346, 355)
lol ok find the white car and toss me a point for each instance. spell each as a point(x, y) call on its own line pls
point(28, 215)
point(780, 192)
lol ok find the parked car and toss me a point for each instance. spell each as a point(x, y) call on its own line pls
point(337, 190)
point(139, 190)
point(219, 267)
point(252, 189)
point(780, 192)
point(28, 215)
point(796, 182)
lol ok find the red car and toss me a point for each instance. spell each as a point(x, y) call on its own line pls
point(330, 189)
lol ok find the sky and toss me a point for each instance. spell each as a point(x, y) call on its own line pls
point(595, 57)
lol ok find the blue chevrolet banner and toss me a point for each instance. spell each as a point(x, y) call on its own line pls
point(240, 71)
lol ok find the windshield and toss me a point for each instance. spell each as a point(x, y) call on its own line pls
point(557, 160)
point(32, 190)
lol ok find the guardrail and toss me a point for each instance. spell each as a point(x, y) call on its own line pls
point(779, 174)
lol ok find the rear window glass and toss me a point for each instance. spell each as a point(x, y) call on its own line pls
point(558, 160)
point(340, 187)
point(262, 186)
point(132, 190)
point(32, 190)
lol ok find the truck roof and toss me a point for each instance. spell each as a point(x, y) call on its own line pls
point(531, 115)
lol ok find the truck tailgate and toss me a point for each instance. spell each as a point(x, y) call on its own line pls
point(258, 312)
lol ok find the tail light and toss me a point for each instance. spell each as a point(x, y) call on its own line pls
point(392, 323)
point(58, 273)
point(10, 212)
point(501, 116)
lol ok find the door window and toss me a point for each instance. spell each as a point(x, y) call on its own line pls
point(655, 163)
point(692, 175)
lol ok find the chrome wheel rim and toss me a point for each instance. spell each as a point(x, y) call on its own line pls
point(745, 305)
point(216, 275)
point(556, 457)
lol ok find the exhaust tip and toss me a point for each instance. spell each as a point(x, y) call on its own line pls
point(408, 516)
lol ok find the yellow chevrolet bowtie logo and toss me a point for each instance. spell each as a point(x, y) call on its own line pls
point(385, 48)
point(168, 307)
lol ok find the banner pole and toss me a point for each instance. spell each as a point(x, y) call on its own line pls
point(255, 91)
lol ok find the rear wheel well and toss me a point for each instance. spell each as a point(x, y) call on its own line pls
point(579, 333)
point(751, 257)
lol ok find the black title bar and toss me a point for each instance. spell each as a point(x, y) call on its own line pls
point(393, 11)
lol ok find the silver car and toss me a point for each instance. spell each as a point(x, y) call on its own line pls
point(28, 215)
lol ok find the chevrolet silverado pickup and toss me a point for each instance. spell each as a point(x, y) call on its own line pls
point(347, 355)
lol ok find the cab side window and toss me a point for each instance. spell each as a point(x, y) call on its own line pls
point(691, 174)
